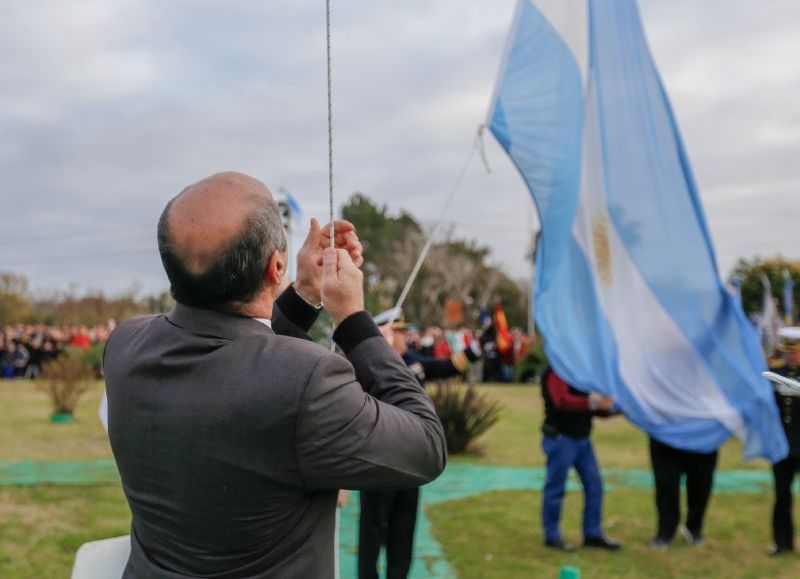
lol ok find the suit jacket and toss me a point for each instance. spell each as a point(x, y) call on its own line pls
point(232, 440)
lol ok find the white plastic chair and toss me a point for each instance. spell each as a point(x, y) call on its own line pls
point(105, 559)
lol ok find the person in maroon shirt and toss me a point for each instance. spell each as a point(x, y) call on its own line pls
point(567, 426)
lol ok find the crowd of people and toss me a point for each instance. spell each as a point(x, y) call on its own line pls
point(26, 348)
point(498, 361)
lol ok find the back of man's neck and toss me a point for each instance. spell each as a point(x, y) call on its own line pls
point(261, 310)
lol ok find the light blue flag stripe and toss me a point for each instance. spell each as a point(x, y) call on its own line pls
point(596, 142)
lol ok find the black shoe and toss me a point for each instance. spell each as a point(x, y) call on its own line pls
point(560, 545)
point(694, 539)
point(602, 543)
point(659, 544)
point(776, 551)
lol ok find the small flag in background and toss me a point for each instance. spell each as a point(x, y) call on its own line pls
point(484, 320)
point(503, 339)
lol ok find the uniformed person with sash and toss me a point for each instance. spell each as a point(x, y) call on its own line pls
point(388, 517)
point(788, 400)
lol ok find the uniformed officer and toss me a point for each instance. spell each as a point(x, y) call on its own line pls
point(788, 400)
point(388, 517)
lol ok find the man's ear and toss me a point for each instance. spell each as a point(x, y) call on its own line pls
point(276, 268)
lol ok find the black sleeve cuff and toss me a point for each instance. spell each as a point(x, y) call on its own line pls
point(296, 309)
point(471, 355)
point(354, 330)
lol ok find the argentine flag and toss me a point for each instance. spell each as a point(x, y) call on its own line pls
point(628, 297)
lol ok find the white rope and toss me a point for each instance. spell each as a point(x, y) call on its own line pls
point(481, 145)
point(477, 144)
point(330, 114)
point(330, 134)
point(337, 522)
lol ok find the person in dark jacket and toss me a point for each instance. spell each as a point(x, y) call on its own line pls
point(567, 427)
point(788, 400)
point(231, 431)
point(669, 465)
point(388, 517)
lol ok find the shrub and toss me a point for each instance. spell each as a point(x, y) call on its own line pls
point(93, 356)
point(66, 379)
point(465, 413)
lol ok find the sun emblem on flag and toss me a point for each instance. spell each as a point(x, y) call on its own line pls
point(602, 250)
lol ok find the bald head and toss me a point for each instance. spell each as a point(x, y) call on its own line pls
point(216, 239)
point(205, 218)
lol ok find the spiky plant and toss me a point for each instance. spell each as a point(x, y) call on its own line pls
point(465, 413)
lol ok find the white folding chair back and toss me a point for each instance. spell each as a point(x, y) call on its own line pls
point(104, 559)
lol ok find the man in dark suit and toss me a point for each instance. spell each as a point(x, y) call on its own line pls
point(232, 435)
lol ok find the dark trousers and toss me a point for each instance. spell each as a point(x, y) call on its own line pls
point(669, 464)
point(387, 519)
point(564, 453)
point(782, 525)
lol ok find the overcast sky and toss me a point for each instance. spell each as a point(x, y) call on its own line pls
point(109, 107)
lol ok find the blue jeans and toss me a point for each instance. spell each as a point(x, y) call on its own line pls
point(562, 453)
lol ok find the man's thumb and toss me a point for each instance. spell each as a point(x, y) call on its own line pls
point(314, 227)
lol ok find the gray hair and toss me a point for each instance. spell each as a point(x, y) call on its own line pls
point(237, 275)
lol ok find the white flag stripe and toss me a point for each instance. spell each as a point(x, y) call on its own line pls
point(570, 18)
point(657, 363)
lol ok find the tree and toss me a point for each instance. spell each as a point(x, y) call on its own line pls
point(749, 272)
point(391, 244)
point(19, 305)
point(14, 298)
point(94, 307)
point(454, 269)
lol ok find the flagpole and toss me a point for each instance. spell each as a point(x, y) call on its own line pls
point(477, 145)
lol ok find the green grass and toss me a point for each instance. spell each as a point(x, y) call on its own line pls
point(498, 535)
point(495, 535)
point(42, 527)
point(27, 434)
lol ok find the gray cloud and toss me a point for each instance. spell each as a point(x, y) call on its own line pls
point(107, 109)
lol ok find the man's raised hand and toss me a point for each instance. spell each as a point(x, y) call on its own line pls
point(344, 237)
point(309, 258)
point(342, 284)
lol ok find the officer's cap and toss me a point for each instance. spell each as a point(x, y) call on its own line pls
point(393, 315)
point(789, 339)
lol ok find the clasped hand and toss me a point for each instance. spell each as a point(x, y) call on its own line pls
point(329, 275)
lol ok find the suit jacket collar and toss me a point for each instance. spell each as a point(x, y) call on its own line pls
point(218, 324)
